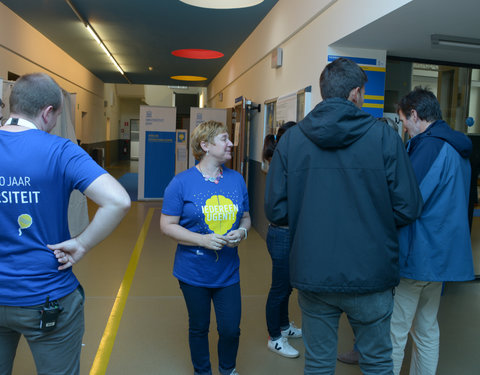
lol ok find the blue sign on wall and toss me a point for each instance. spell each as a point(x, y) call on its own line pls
point(159, 162)
point(374, 90)
point(375, 86)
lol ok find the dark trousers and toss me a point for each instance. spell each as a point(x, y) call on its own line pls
point(55, 352)
point(278, 244)
point(227, 305)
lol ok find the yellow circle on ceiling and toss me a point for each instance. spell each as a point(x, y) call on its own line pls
point(189, 78)
point(222, 4)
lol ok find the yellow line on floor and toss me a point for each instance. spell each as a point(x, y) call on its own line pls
point(104, 351)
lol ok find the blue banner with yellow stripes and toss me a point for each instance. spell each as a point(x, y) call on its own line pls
point(375, 87)
point(374, 90)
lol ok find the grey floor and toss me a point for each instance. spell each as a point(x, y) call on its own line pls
point(152, 335)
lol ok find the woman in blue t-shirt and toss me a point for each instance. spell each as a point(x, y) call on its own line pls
point(205, 209)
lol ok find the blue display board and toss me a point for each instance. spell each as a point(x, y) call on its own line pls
point(374, 90)
point(159, 162)
point(375, 86)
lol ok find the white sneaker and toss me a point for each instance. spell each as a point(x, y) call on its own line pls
point(234, 372)
point(292, 332)
point(282, 347)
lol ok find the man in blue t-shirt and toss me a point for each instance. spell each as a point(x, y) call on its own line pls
point(40, 297)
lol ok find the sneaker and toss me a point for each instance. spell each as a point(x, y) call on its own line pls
point(234, 372)
point(282, 347)
point(292, 332)
point(350, 358)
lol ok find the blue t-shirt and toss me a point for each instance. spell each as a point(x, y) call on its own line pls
point(205, 207)
point(38, 172)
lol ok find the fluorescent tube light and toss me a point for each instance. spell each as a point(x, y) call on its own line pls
point(95, 36)
point(449, 41)
point(93, 33)
point(457, 44)
point(222, 4)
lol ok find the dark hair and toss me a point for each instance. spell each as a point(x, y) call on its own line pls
point(32, 93)
point(340, 77)
point(423, 101)
point(271, 140)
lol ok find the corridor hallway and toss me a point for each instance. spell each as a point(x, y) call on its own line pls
point(152, 335)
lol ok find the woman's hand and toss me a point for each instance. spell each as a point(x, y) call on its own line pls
point(234, 237)
point(213, 241)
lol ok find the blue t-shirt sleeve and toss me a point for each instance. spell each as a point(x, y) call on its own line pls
point(80, 168)
point(173, 199)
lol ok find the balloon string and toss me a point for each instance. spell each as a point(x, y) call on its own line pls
point(19, 231)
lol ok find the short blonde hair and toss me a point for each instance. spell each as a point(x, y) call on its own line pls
point(205, 132)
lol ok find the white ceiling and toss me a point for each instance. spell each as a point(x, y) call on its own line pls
point(407, 31)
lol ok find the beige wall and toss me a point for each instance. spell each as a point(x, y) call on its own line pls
point(24, 50)
point(130, 109)
point(304, 33)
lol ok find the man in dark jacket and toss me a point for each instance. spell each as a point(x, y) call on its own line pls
point(436, 247)
point(343, 183)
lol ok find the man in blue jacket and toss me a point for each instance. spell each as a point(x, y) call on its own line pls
point(436, 247)
point(343, 183)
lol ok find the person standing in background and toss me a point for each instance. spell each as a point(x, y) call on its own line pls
point(436, 247)
point(280, 329)
point(343, 183)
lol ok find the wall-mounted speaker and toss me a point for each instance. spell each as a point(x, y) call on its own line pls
point(277, 58)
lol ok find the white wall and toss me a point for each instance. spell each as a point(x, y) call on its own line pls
point(304, 29)
point(163, 96)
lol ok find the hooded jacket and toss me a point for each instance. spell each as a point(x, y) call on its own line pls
point(436, 247)
point(343, 183)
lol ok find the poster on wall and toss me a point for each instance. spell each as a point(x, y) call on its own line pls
point(181, 151)
point(286, 109)
point(159, 162)
point(199, 115)
point(373, 62)
point(156, 159)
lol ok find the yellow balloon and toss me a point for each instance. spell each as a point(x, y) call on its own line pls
point(24, 220)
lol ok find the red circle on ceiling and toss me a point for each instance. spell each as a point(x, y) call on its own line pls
point(197, 54)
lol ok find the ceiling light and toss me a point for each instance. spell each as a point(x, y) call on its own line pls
point(203, 54)
point(189, 78)
point(222, 4)
point(449, 41)
point(97, 39)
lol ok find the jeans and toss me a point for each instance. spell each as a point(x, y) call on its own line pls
point(227, 304)
point(278, 244)
point(368, 314)
point(55, 352)
point(415, 311)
